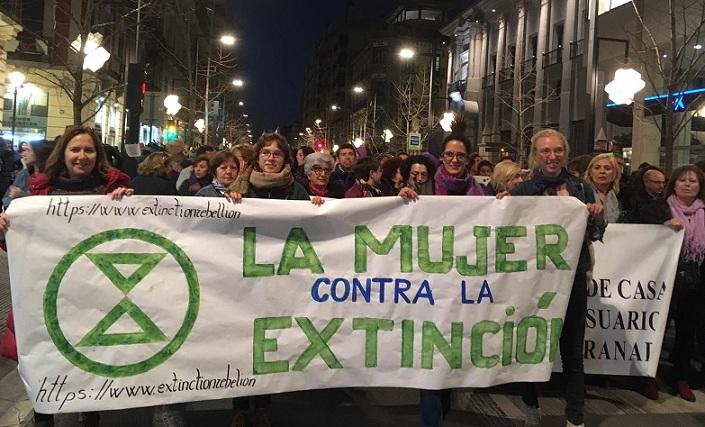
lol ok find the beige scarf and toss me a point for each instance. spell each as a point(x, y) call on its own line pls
point(272, 180)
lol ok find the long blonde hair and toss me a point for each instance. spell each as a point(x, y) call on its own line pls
point(617, 172)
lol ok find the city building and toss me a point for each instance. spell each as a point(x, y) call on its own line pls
point(524, 65)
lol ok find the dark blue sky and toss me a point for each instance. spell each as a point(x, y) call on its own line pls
point(275, 41)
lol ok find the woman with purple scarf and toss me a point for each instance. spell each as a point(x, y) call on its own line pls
point(200, 177)
point(684, 209)
point(452, 177)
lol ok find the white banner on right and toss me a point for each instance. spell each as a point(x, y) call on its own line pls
point(628, 299)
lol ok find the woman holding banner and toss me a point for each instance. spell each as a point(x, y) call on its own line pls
point(684, 209)
point(549, 154)
point(77, 165)
point(452, 179)
point(603, 175)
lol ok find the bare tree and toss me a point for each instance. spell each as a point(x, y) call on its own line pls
point(522, 102)
point(664, 43)
point(411, 102)
point(236, 131)
point(83, 87)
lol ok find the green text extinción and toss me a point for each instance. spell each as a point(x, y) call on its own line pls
point(98, 336)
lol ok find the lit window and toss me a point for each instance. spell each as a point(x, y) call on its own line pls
point(607, 5)
point(431, 15)
point(412, 14)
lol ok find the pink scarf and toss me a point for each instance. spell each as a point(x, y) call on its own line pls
point(693, 219)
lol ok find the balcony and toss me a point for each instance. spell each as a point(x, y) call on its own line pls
point(529, 66)
point(553, 57)
point(488, 80)
point(506, 74)
point(576, 49)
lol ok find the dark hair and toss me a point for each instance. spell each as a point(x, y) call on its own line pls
point(56, 164)
point(390, 166)
point(200, 159)
point(306, 150)
point(458, 137)
point(484, 163)
point(346, 146)
point(267, 139)
point(405, 168)
point(155, 164)
point(42, 150)
point(220, 158)
point(579, 165)
point(203, 149)
point(671, 186)
point(364, 167)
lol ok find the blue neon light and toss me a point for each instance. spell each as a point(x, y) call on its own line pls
point(675, 94)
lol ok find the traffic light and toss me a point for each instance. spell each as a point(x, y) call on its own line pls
point(136, 88)
point(171, 132)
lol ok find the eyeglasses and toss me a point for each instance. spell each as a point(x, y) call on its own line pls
point(321, 171)
point(560, 151)
point(449, 155)
point(274, 154)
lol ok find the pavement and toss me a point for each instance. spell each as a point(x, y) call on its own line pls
point(611, 401)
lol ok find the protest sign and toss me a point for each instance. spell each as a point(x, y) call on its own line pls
point(155, 300)
point(628, 299)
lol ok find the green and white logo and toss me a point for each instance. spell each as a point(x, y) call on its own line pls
point(157, 275)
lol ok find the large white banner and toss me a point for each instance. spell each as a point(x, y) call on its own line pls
point(628, 299)
point(157, 300)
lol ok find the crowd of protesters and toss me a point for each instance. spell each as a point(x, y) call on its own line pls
point(77, 163)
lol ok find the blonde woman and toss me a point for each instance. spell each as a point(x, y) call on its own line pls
point(603, 175)
point(505, 177)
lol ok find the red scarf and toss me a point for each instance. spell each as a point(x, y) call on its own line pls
point(316, 192)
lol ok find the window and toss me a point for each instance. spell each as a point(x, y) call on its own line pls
point(412, 14)
point(607, 5)
point(431, 15)
point(379, 55)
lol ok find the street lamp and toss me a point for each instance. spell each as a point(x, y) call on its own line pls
point(241, 104)
point(96, 55)
point(172, 105)
point(358, 89)
point(405, 54)
point(238, 83)
point(227, 40)
point(16, 80)
point(627, 82)
point(334, 107)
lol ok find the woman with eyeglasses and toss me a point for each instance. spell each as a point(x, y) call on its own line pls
point(318, 167)
point(272, 177)
point(452, 177)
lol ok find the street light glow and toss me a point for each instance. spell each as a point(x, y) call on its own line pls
point(698, 46)
point(358, 89)
point(627, 82)
point(227, 39)
point(406, 53)
point(238, 83)
point(245, 116)
point(334, 107)
point(241, 103)
point(16, 78)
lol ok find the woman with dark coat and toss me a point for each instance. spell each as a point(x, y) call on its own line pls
point(318, 168)
point(200, 177)
point(272, 177)
point(683, 208)
point(151, 177)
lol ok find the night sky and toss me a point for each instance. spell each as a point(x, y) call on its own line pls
point(276, 39)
